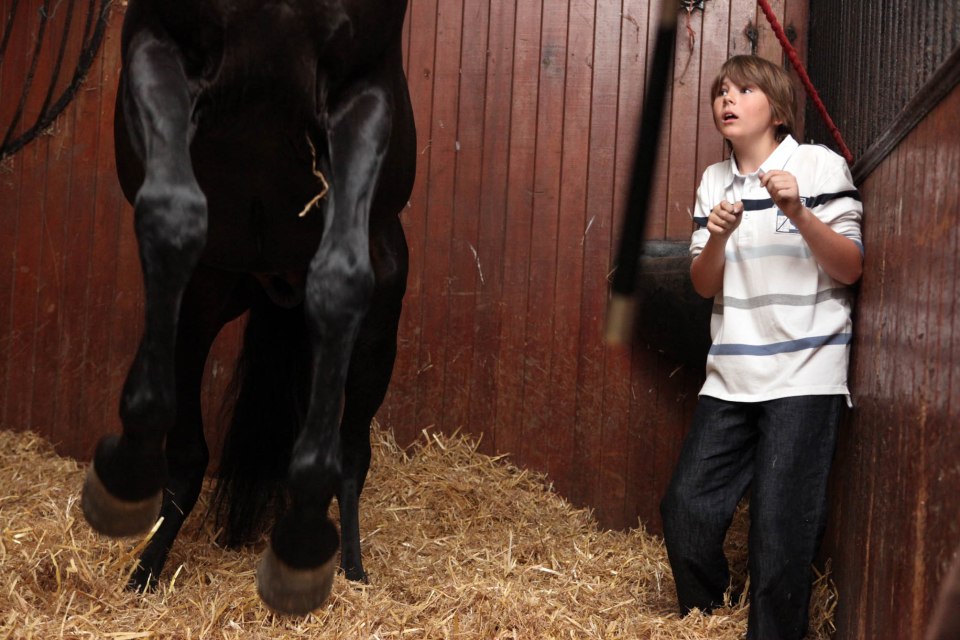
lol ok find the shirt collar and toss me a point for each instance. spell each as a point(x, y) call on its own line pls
point(777, 160)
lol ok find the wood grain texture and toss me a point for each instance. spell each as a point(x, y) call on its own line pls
point(526, 116)
point(894, 532)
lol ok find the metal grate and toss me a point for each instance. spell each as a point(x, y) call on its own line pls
point(868, 60)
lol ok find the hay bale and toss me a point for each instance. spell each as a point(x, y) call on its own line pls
point(457, 544)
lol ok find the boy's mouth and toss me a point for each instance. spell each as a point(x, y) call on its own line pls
point(727, 117)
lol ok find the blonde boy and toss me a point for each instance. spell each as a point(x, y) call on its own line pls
point(777, 245)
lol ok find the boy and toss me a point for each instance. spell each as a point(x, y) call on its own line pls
point(777, 244)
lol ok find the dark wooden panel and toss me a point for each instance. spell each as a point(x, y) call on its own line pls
point(401, 407)
point(491, 214)
point(71, 417)
point(441, 130)
point(509, 430)
point(894, 532)
point(872, 58)
point(568, 283)
point(467, 257)
point(596, 256)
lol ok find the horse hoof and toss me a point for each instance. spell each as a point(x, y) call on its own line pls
point(293, 591)
point(112, 516)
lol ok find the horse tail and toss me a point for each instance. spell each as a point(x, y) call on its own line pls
point(264, 408)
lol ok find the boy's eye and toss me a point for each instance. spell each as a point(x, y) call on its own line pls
point(746, 90)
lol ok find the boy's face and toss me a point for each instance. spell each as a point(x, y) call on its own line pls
point(742, 114)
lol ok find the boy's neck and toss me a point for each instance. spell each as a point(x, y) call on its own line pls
point(749, 156)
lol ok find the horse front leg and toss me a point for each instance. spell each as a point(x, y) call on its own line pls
point(122, 492)
point(296, 574)
point(368, 378)
point(212, 299)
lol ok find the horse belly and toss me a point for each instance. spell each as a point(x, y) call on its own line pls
point(258, 186)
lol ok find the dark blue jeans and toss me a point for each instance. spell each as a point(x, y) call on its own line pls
point(782, 451)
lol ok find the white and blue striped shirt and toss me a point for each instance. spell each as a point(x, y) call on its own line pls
point(781, 326)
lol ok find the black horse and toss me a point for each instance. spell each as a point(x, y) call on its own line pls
point(267, 147)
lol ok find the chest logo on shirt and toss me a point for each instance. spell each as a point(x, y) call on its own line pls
point(784, 224)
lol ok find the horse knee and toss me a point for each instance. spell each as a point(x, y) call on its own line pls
point(171, 226)
point(340, 288)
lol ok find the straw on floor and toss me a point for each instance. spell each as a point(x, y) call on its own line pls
point(457, 545)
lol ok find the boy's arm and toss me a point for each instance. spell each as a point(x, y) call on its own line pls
point(839, 256)
point(706, 270)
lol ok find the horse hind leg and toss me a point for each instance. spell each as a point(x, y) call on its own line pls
point(296, 574)
point(122, 492)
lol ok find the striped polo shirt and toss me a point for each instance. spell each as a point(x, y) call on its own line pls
point(780, 326)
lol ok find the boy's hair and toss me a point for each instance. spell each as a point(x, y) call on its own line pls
point(769, 78)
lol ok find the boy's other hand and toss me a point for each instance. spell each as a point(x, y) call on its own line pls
point(724, 218)
point(782, 187)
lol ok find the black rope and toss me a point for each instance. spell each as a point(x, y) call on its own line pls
point(63, 49)
point(37, 47)
point(98, 15)
point(8, 29)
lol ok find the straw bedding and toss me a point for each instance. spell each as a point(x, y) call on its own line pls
point(457, 545)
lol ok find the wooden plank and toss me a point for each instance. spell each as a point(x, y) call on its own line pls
point(597, 238)
point(796, 20)
point(492, 221)
point(935, 260)
point(10, 197)
point(681, 168)
point(743, 17)
point(24, 301)
point(10, 70)
point(50, 292)
point(467, 257)
point(439, 223)
point(399, 411)
point(509, 429)
point(636, 43)
point(768, 46)
point(26, 252)
point(15, 63)
point(78, 229)
point(658, 209)
point(713, 53)
point(935, 527)
point(538, 447)
point(572, 224)
point(114, 309)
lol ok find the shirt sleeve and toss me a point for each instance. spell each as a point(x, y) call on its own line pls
point(838, 203)
point(700, 215)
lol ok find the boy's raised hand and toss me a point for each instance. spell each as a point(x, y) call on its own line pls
point(724, 218)
point(782, 187)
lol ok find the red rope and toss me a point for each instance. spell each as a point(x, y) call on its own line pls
point(811, 90)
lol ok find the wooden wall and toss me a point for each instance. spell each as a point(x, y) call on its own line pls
point(895, 521)
point(526, 114)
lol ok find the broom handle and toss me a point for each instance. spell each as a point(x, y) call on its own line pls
point(621, 306)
